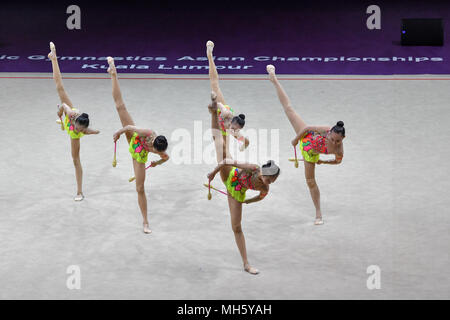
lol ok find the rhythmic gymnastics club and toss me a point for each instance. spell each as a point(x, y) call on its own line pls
point(114, 163)
point(209, 190)
point(209, 186)
point(133, 178)
point(293, 159)
point(60, 120)
point(296, 161)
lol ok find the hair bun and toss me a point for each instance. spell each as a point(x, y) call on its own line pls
point(83, 119)
point(270, 169)
point(340, 124)
point(242, 116)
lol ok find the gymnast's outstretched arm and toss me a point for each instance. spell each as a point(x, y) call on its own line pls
point(131, 129)
point(238, 164)
point(262, 195)
point(142, 132)
point(67, 110)
point(91, 131)
point(231, 162)
point(118, 133)
point(164, 157)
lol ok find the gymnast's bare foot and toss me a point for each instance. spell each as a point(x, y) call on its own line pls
point(112, 68)
point(52, 54)
point(209, 48)
point(79, 197)
point(147, 228)
point(271, 71)
point(250, 269)
point(318, 221)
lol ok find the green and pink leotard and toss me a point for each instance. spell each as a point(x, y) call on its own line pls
point(138, 149)
point(70, 128)
point(238, 182)
point(312, 146)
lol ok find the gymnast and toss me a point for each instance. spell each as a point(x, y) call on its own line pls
point(238, 177)
point(225, 115)
point(75, 123)
point(141, 142)
point(314, 140)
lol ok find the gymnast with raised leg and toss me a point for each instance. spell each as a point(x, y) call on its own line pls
point(314, 140)
point(75, 123)
point(140, 141)
point(238, 177)
point(227, 121)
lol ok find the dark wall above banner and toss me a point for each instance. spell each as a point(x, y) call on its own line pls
point(422, 32)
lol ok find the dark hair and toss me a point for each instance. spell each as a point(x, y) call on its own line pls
point(270, 164)
point(240, 120)
point(339, 128)
point(160, 143)
point(83, 120)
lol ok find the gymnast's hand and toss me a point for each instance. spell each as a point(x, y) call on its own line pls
point(153, 164)
point(294, 142)
point(211, 175)
point(60, 112)
point(116, 136)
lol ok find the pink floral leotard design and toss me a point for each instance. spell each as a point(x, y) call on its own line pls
point(243, 180)
point(313, 143)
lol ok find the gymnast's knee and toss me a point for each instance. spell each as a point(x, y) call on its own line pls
point(311, 183)
point(140, 188)
point(237, 228)
point(76, 159)
point(120, 105)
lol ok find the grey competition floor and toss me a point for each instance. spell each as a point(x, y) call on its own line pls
point(387, 204)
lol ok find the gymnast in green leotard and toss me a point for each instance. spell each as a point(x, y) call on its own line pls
point(228, 122)
point(141, 142)
point(312, 141)
point(76, 124)
point(238, 177)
